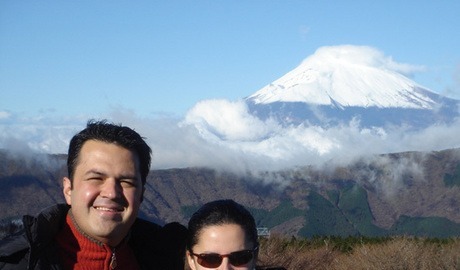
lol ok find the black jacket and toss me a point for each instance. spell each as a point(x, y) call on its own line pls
point(33, 246)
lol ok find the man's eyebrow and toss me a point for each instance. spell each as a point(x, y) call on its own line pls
point(127, 176)
point(94, 171)
point(121, 176)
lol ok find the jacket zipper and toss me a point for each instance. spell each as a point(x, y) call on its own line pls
point(113, 261)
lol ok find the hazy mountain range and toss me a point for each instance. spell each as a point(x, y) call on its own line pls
point(407, 193)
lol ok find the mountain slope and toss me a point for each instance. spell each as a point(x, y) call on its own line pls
point(406, 193)
point(339, 83)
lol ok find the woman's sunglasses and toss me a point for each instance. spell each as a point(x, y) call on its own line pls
point(213, 260)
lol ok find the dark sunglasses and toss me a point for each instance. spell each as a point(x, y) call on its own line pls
point(213, 260)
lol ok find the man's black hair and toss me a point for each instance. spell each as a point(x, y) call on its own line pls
point(110, 133)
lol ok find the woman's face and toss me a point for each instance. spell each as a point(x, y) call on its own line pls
point(222, 240)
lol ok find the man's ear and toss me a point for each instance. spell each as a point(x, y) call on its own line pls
point(67, 190)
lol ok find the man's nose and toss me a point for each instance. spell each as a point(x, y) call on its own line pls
point(111, 188)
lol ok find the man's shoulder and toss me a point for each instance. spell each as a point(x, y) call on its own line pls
point(13, 227)
point(16, 233)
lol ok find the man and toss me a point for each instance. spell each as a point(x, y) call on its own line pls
point(98, 228)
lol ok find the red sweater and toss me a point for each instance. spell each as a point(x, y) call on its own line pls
point(79, 252)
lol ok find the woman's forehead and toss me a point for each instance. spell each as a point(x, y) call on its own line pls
point(222, 238)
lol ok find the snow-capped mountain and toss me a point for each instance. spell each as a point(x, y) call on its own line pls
point(341, 83)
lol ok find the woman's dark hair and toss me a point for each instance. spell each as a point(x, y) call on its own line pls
point(221, 212)
point(110, 133)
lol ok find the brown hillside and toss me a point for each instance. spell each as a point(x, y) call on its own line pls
point(410, 184)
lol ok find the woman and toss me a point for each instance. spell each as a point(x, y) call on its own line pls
point(222, 235)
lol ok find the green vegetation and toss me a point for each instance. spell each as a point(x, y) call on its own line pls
point(324, 218)
point(334, 196)
point(451, 180)
point(282, 213)
point(437, 227)
point(354, 205)
point(348, 214)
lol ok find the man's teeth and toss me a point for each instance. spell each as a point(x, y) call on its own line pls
point(106, 209)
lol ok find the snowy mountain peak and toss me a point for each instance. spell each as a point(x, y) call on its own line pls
point(348, 76)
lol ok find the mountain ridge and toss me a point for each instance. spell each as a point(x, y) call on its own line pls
point(341, 75)
point(346, 82)
point(386, 194)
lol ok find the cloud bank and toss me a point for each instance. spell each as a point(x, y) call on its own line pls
point(222, 134)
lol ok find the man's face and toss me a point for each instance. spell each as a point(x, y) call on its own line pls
point(106, 191)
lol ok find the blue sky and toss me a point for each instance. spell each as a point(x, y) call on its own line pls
point(69, 58)
point(147, 64)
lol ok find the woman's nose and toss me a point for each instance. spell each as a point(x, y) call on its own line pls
point(225, 264)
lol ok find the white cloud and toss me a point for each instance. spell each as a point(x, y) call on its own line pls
point(39, 134)
point(238, 141)
point(361, 55)
point(4, 115)
point(228, 120)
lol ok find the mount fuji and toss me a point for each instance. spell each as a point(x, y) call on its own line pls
point(339, 84)
point(340, 103)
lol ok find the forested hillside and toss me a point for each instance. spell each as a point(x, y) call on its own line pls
point(398, 194)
